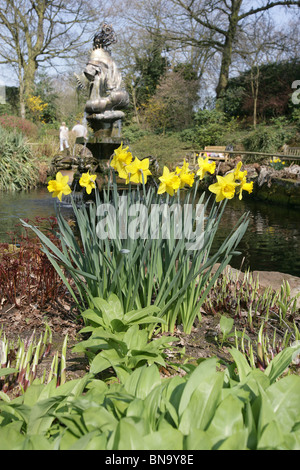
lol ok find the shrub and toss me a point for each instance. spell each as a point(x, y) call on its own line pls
point(211, 128)
point(25, 127)
point(268, 139)
point(295, 117)
point(18, 169)
point(133, 132)
point(26, 274)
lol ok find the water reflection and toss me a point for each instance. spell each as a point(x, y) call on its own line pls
point(271, 243)
point(23, 205)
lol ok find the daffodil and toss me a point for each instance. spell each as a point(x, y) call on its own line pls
point(121, 158)
point(137, 171)
point(169, 182)
point(59, 186)
point(244, 186)
point(224, 188)
point(184, 168)
point(205, 167)
point(185, 175)
point(186, 178)
point(88, 181)
point(238, 174)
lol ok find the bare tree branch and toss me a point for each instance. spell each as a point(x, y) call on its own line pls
point(37, 31)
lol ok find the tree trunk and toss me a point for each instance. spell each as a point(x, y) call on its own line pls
point(227, 48)
point(133, 94)
point(254, 89)
point(22, 98)
point(225, 66)
point(22, 108)
point(255, 112)
point(27, 85)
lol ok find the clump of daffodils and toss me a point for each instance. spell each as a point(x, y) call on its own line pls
point(232, 183)
point(276, 163)
point(170, 182)
point(135, 171)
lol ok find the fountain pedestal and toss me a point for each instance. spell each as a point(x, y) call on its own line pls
point(105, 141)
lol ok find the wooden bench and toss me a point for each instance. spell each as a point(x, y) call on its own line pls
point(215, 153)
point(295, 151)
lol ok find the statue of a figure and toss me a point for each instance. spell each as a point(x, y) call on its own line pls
point(106, 94)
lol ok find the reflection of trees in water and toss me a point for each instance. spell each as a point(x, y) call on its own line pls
point(272, 241)
point(22, 205)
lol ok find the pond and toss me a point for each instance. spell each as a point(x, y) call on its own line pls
point(271, 243)
point(272, 240)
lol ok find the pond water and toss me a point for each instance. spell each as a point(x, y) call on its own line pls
point(271, 243)
point(272, 240)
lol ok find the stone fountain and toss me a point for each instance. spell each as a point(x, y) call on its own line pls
point(107, 96)
point(103, 109)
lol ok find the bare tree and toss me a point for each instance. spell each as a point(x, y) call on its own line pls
point(37, 32)
point(225, 19)
point(207, 30)
point(144, 19)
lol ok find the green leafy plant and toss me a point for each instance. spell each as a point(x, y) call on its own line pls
point(286, 302)
point(116, 339)
point(18, 170)
point(237, 408)
point(226, 325)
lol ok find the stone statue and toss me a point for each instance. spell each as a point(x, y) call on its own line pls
point(106, 95)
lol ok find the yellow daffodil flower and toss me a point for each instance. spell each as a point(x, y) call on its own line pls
point(137, 171)
point(184, 169)
point(88, 181)
point(244, 186)
point(170, 182)
point(238, 174)
point(205, 167)
point(121, 158)
point(185, 175)
point(224, 188)
point(186, 178)
point(59, 186)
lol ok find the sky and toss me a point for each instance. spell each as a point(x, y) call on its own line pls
point(279, 15)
